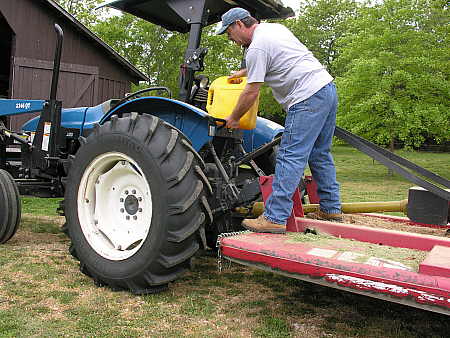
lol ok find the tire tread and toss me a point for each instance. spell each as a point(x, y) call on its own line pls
point(180, 166)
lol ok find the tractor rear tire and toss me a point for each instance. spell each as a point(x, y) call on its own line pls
point(135, 203)
point(10, 207)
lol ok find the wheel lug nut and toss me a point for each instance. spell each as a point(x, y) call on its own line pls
point(140, 199)
point(121, 200)
point(135, 217)
point(140, 209)
point(134, 192)
point(126, 192)
point(128, 218)
point(122, 210)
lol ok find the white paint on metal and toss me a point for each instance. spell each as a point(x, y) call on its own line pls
point(112, 230)
point(386, 263)
point(322, 252)
point(349, 256)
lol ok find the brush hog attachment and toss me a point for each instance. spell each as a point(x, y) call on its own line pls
point(406, 267)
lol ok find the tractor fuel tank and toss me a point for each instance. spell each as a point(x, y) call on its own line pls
point(223, 95)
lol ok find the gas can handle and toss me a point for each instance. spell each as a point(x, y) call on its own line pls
point(210, 96)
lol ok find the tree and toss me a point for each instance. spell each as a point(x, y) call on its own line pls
point(145, 45)
point(83, 10)
point(395, 82)
point(319, 26)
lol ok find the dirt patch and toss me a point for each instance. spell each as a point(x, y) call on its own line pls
point(57, 220)
point(23, 238)
point(33, 230)
point(55, 309)
point(374, 222)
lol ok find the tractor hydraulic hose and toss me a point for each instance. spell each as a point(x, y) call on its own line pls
point(349, 208)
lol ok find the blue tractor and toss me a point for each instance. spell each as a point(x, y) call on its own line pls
point(146, 180)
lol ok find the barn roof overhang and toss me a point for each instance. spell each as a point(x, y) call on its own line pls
point(136, 73)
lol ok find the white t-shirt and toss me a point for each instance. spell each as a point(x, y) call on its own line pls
point(276, 57)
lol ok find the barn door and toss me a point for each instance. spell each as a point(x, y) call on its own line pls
point(78, 84)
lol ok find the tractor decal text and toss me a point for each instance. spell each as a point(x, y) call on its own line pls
point(23, 105)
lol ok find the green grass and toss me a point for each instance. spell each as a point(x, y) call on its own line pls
point(40, 206)
point(43, 293)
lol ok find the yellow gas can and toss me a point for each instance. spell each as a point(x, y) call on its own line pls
point(223, 95)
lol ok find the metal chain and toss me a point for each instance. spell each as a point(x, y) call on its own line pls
point(219, 252)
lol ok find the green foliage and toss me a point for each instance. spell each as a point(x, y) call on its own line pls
point(83, 10)
point(319, 26)
point(223, 55)
point(152, 49)
point(395, 82)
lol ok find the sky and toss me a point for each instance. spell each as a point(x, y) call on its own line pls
point(294, 4)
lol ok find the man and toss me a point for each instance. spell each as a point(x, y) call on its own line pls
point(306, 91)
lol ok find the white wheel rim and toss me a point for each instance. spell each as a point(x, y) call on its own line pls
point(114, 206)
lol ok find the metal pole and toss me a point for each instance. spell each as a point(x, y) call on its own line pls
point(57, 62)
point(349, 208)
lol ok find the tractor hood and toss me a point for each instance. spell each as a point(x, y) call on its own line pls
point(178, 15)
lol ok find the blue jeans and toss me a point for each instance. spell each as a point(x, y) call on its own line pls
point(309, 130)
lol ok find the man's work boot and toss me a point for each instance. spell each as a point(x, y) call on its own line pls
point(261, 224)
point(319, 214)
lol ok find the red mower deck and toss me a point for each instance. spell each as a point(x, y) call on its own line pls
point(346, 260)
point(428, 288)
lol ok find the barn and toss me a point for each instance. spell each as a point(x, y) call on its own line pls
point(91, 71)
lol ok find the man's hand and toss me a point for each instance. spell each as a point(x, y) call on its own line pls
point(232, 122)
point(245, 101)
point(238, 73)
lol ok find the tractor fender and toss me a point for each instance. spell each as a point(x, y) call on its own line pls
point(70, 118)
point(77, 118)
point(190, 120)
point(264, 132)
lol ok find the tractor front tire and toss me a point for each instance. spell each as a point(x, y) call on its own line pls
point(135, 203)
point(10, 207)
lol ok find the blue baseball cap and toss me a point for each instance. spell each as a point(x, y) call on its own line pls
point(231, 17)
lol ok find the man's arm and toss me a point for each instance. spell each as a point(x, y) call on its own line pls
point(245, 101)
